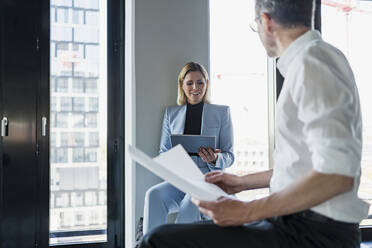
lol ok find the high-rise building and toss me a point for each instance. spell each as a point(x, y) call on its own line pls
point(78, 144)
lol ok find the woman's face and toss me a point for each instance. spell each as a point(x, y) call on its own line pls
point(194, 86)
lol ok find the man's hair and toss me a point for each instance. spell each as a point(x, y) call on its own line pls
point(288, 13)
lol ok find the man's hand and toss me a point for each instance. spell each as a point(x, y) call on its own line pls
point(227, 182)
point(225, 211)
point(208, 155)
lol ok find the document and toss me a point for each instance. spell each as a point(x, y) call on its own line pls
point(176, 167)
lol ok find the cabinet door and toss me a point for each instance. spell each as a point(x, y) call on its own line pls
point(19, 67)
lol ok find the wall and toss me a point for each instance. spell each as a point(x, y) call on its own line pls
point(168, 33)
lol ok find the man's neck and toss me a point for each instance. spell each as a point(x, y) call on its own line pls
point(285, 37)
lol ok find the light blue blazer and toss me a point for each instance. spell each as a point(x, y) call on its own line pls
point(216, 121)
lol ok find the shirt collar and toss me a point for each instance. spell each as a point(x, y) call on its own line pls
point(294, 48)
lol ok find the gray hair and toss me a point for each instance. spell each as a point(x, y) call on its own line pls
point(288, 13)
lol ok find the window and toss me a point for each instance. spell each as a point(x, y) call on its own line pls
point(342, 26)
point(62, 84)
point(91, 85)
point(91, 17)
point(64, 139)
point(93, 104)
point(66, 104)
point(62, 15)
point(78, 85)
point(93, 139)
point(90, 155)
point(78, 155)
point(78, 104)
point(78, 120)
point(91, 120)
point(61, 120)
point(239, 79)
point(78, 17)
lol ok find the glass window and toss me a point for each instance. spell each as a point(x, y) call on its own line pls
point(78, 16)
point(62, 15)
point(62, 84)
point(53, 15)
point(53, 140)
point(61, 120)
point(79, 219)
point(88, 4)
point(53, 104)
point(91, 198)
point(78, 71)
point(88, 35)
point(78, 155)
point(92, 52)
point(92, 17)
point(91, 120)
point(52, 119)
point(93, 139)
point(66, 104)
point(77, 199)
point(90, 155)
point(343, 26)
point(64, 138)
point(242, 84)
point(93, 104)
point(77, 139)
point(58, 155)
point(65, 3)
point(91, 85)
point(62, 200)
point(78, 120)
point(59, 33)
point(78, 104)
point(78, 85)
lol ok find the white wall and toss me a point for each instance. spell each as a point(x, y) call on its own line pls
point(168, 34)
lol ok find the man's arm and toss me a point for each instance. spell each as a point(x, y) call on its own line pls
point(234, 184)
point(311, 190)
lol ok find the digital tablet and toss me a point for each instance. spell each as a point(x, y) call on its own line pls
point(192, 143)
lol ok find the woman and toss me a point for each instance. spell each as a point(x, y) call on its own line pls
point(194, 115)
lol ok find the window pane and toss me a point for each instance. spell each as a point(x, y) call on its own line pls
point(343, 25)
point(239, 80)
point(78, 93)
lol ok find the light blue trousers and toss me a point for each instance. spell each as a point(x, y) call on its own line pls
point(163, 199)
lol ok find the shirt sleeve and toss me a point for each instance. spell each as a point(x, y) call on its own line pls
point(328, 105)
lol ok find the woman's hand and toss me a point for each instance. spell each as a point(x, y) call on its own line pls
point(208, 154)
point(229, 183)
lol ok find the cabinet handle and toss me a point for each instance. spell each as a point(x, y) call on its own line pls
point(43, 126)
point(4, 127)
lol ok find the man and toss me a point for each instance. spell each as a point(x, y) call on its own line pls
point(318, 143)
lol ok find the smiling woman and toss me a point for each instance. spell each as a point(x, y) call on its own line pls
point(195, 116)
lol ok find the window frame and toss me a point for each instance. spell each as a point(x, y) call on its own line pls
point(115, 128)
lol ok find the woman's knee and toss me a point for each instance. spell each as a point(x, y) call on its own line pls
point(155, 193)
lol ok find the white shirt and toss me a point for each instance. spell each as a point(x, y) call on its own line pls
point(318, 123)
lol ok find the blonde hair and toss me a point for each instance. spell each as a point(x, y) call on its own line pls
point(192, 66)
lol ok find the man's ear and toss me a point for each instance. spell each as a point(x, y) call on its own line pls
point(267, 22)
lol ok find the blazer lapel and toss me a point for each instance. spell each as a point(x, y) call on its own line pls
point(179, 124)
point(204, 116)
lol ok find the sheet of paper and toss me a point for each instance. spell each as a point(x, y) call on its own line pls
point(176, 167)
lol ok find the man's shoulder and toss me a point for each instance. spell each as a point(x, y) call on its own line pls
point(321, 50)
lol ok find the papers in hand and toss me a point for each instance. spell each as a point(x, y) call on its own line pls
point(176, 167)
